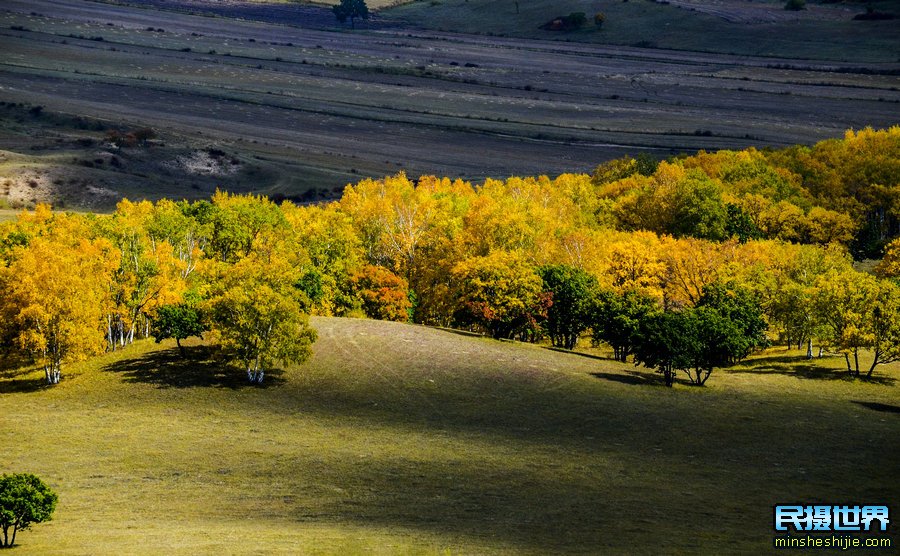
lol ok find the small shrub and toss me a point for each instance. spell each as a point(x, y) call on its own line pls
point(795, 5)
point(599, 18)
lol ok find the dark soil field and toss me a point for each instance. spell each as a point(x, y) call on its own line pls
point(304, 111)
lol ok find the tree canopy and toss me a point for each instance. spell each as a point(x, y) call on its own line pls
point(351, 9)
point(24, 500)
point(743, 246)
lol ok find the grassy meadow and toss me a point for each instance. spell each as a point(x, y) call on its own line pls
point(402, 439)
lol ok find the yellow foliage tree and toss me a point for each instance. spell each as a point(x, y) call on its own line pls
point(55, 292)
point(889, 267)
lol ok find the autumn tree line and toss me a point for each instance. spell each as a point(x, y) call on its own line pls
point(683, 265)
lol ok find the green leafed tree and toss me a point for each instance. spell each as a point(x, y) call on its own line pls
point(24, 500)
point(885, 326)
point(661, 343)
point(351, 9)
point(259, 314)
point(573, 291)
point(724, 327)
point(179, 321)
point(740, 306)
point(616, 319)
point(843, 303)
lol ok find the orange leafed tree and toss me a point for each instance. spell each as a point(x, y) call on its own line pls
point(384, 295)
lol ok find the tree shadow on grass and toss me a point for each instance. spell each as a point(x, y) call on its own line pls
point(11, 385)
point(13, 369)
point(771, 360)
point(807, 372)
point(634, 378)
point(875, 406)
point(200, 367)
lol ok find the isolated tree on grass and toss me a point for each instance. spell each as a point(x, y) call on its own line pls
point(351, 9)
point(24, 500)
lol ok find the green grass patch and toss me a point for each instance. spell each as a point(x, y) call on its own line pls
point(402, 439)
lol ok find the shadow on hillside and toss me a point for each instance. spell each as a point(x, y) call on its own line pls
point(20, 386)
point(771, 360)
point(199, 368)
point(12, 371)
point(809, 372)
point(882, 407)
point(635, 378)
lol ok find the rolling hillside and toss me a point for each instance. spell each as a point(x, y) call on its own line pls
point(396, 438)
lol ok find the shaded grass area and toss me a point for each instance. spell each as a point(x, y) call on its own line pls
point(398, 438)
point(198, 367)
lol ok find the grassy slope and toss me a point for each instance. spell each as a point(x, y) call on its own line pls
point(642, 22)
point(401, 439)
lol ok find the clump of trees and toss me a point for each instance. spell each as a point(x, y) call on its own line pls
point(637, 250)
point(723, 328)
point(24, 501)
point(72, 286)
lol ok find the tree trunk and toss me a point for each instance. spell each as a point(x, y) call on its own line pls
point(180, 347)
point(874, 363)
point(12, 541)
point(254, 373)
point(809, 348)
point(856, 359)
point(110, 342)
point(847, 359)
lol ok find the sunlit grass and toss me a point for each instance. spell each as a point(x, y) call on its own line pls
point(403, 439)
